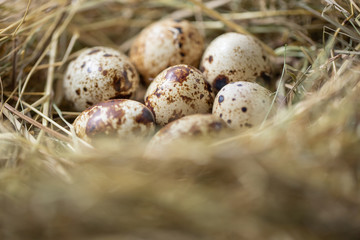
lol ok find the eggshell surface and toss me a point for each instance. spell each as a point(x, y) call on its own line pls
point(166, 43)
point(190, 126)
point(243, 104)
point(233, 57)
point(99, 74)
point(178, 91)
point(118, 117)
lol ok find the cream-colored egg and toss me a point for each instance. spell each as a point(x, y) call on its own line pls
point(233, 57)
point(118, 117)
point(178, 91)
point(166, 43)
point(99, 74)
point(196, 125)
point(187, 128)
point(243, 104)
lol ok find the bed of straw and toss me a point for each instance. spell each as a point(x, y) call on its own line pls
point(297, 176)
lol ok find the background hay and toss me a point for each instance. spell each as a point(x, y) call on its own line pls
point(295, 177)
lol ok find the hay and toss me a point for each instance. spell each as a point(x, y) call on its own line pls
point(295, 177)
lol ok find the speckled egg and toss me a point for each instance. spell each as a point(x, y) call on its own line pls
point(196, 125)
point(166, 43)
point(178, 91)
point(187, 128)
point(243, 104)
point(117, 117)
point(99, 74)
point(233, 57)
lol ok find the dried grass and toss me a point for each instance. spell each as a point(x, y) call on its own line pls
point(295, 177)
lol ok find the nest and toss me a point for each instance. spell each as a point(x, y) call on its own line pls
point(294, 177)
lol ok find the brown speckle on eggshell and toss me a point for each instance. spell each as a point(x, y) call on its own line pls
point(166, 43)
point(243, 105)
point(178, 91)
point(117, 117)
point(233, 57)
point(189, 127)
point(99, 74)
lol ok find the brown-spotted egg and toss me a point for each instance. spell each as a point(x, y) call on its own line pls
point(178, 91)
point(99, 74)
point(166, 43)
point(243, 104)
point(189, 127)
point(233, 57)
point(196, 125)
point(118, 117)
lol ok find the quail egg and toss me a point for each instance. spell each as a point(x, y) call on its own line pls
point(178, 91)
point(119, 117)
point(99, 74)
point(233, 57)
point(166, 43)
point(188, 127)
point(243, 104)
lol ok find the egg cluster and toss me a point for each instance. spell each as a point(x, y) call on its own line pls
point(180, 97)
